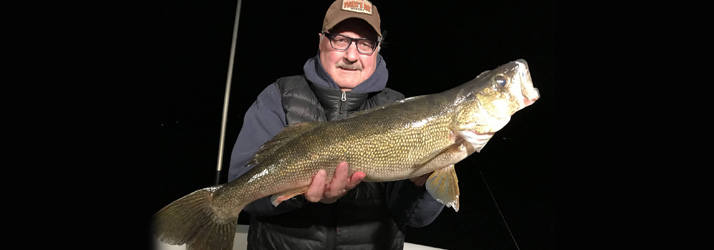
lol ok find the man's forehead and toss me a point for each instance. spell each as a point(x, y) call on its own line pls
point(357, 26)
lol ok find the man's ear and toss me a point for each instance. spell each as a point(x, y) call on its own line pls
point(320, 41)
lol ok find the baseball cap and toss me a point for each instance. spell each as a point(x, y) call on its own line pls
point(344, 9)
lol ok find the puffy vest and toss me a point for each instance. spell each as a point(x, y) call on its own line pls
point(305, 102)
point(358, 220)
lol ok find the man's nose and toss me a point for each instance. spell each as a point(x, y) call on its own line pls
point(351, 54)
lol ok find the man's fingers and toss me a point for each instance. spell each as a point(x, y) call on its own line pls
point(328, 191)
point(338, 181)
point(355, 179)
point(317, 187)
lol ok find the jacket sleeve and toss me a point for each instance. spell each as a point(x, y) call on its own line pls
point(411, 205)
point(264, 119)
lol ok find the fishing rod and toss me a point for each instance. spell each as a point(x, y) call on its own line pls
point(227, 94)
point(499, 209)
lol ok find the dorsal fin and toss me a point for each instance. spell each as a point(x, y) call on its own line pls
point(285, 135)
point(409, 99)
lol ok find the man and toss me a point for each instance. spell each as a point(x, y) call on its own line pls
point(347, 75)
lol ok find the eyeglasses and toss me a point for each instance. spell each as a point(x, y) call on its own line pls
point(341, 43)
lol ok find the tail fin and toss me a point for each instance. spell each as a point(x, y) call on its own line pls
point(191, 221)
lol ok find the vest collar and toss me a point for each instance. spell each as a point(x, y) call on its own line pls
point(337, 103)
point(315, 73)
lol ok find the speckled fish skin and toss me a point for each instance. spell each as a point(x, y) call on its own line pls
point(406, 139)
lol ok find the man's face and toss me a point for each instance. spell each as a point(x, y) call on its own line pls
point(348, 68)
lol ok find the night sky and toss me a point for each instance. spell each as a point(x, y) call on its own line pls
point(429, 47)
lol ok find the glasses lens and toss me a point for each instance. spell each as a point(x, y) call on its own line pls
point(364, 46)
point(340, 42)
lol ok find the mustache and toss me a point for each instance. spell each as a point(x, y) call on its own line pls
point(350, 66)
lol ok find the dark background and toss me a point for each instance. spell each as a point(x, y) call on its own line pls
point(507, 199)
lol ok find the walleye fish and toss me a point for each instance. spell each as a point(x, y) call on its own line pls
point(405, 139)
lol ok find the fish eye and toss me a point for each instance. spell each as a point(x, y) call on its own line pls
point(500, 80)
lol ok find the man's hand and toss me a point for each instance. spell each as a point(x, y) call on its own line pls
point(420, 180)
point(328, 192)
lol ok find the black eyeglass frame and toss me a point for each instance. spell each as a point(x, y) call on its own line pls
point(350, 39)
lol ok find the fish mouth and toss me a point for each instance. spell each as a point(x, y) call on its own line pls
point(530, 98)
point(529, 93)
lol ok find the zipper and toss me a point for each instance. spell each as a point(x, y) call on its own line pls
point(342, 102)
point(331, 227)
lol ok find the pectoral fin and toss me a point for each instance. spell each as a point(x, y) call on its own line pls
point(444, 186)
point(276, 199)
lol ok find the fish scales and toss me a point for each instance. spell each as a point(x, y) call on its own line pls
point(386, 147)
point(409, 138)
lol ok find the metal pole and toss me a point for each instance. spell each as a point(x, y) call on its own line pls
point(227, 94)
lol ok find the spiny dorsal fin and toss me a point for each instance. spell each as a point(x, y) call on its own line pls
point(409, 99)
point(285, 135)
